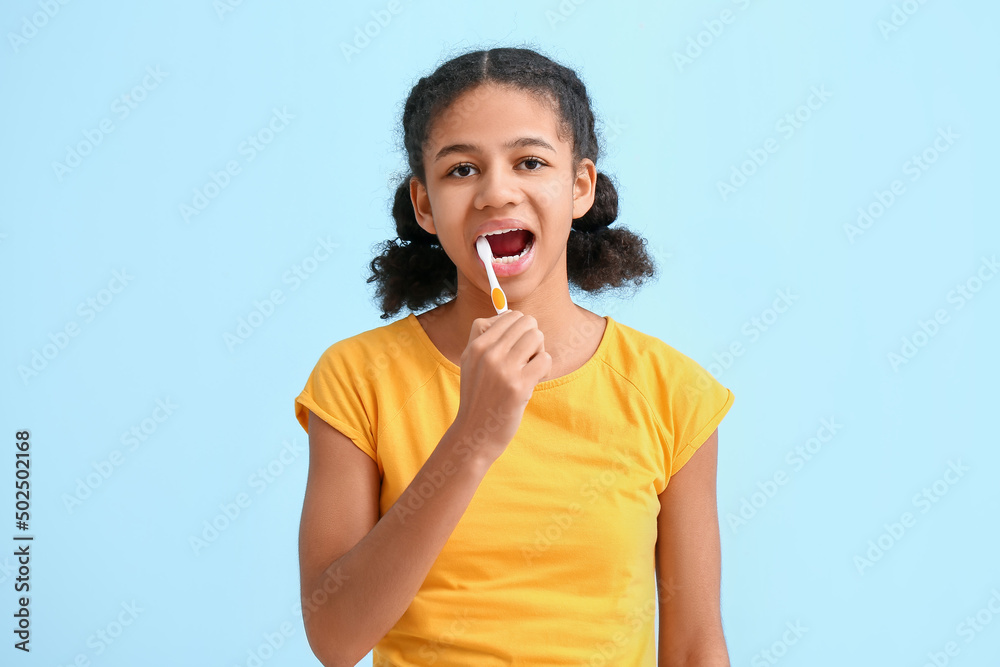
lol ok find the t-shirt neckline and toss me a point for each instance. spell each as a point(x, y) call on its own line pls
point(609, 331)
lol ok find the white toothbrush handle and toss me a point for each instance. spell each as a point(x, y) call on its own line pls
point(497, 295)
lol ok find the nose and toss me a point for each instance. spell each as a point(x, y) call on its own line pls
point(497, 188)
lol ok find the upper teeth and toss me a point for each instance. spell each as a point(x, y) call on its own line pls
point(503, 231)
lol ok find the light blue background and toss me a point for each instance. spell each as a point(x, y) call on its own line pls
point(672, 133)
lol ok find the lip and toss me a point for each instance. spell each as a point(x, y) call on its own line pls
point(497, 224)
point(514, 268)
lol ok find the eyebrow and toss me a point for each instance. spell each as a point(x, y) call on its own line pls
point(510, 145)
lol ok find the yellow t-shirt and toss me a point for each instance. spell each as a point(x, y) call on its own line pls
point(553, 562)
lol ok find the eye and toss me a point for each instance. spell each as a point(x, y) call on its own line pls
point(466, 165)
point(535, 160)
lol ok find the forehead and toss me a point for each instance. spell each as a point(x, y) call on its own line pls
point(490, 115)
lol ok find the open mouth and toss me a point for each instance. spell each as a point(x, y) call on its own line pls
point(508, 247)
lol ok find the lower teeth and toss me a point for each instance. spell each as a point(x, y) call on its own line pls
point(513, 258)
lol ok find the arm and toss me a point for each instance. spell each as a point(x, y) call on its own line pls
point(359, 573)
point(688, 565)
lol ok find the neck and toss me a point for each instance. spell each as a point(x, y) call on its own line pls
point(559, 319)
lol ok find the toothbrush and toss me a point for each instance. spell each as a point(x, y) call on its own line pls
point(486, 254)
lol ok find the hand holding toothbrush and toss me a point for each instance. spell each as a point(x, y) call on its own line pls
point(501, 364)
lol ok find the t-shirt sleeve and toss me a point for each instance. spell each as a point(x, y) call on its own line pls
point(696, 404)
point(339, 396)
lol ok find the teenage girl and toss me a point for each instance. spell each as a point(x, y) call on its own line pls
point(490, 489)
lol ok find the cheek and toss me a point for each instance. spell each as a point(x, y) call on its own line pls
point(453, 245)
point(550, 198)
point(556, 194)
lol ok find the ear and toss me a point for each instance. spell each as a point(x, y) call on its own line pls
point(422, 206)
point(584, 188)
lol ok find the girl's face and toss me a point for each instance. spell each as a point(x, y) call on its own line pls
point(496, 154)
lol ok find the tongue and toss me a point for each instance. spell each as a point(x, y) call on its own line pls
point(509, 243)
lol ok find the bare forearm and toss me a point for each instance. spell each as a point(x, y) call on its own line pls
point(713, 656)
point(379, 577)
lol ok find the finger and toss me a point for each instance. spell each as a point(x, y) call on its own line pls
point(514, 328)
point(498, 322)
point(530, 344)
point(539, 365)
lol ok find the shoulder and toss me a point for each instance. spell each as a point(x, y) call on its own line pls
point(370, 352)
point(687, 401)
point(669, 380)
point(646, 359)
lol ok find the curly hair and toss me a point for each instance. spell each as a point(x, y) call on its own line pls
point(415, 271)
